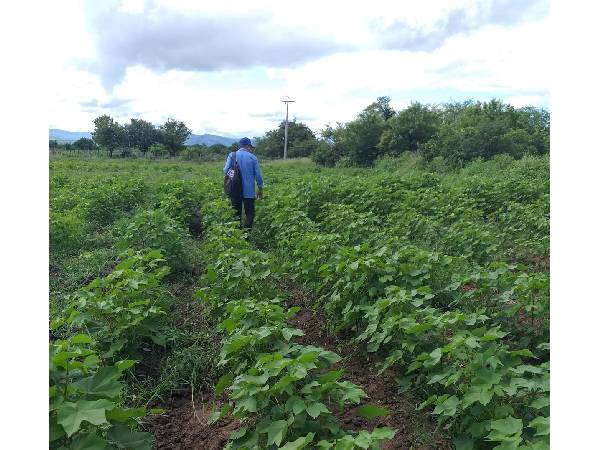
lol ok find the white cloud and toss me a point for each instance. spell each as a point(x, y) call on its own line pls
point(500, 59)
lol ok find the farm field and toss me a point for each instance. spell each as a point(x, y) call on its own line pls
point(391, 308)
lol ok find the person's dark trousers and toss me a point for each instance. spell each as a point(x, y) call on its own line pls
point(248, 210)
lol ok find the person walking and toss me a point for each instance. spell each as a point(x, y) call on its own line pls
point(250, 173)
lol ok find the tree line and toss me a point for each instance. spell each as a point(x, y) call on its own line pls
point(454, 133)
point(136, 136)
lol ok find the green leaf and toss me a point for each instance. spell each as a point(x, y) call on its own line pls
point(288, 333)
point(463, 443)
point(247, 404)
point(508, 426)
point(70, 415)
point(123, 437)
point(371, 411)
point(541, 424)
point(114, 348)
point(283, 383)
point(81, 339)
point(295, 404)
point(363, 440)
point(224, 382)
point(238, 434)
point(383, 433)
point(103, 383)
point(299, 443)
point(314, 409)
point(434, 358)
point(125, 364)
point(328, 377)
point(440, 376)
point(447, 407)
point(88, 441)
point(124, 414)
point(540, 403)
point(276, 432)
point(56, 431)
point(159, 339)
point(479, 394)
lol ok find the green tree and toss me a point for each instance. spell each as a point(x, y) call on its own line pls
point(84, 144)
point(301, 141)
point(108, 134)
point(484, 129)
point(329, 149)
point(173, 134)
point(220, 149)
point(407, 129)
point(361, 136)
point(52, 144)
point(383, 107)
point(141, 134)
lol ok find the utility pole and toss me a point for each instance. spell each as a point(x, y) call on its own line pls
point(287, 102)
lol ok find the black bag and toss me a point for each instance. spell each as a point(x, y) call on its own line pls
point(233, 180)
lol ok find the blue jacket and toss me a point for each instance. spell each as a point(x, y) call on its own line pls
point(249, 169)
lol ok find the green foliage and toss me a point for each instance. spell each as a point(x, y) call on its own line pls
point(411, 127)
point(110, 199)
point(474, 130)
point(67, 232)
point(180, 199)
point(84, 144)
point(124, 307)
point(455, 133)
point(382, 107)
point(86, 406)
point(158, 150)
point(415, 278)
point(173, 134)
point(361, 136)
point(108, 134)
point(155, 229)
point(441, 276)
point(301, 141)
point(141, 134)
point(283, 391)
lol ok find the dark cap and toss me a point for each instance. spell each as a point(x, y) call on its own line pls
point(246, 141)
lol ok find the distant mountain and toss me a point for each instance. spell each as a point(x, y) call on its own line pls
point(207, 139)
point(68, 136)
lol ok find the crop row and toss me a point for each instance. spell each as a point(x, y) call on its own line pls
point(284, 394)
point(472, 339)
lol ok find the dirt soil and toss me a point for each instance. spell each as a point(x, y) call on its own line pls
point(414, 431)
point(184, 424)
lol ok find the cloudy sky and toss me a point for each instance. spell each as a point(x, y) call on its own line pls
point(224, 67)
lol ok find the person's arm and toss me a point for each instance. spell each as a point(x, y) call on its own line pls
point(258, 177)
point(228, 164)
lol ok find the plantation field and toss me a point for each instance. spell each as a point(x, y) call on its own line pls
point(395, 307)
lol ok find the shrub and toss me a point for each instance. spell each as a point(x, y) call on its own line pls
point(156, 230)
point(67, 233)
point(158, 150)
point(107, 201)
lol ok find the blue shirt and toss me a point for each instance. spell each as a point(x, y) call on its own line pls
point(249, 169)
